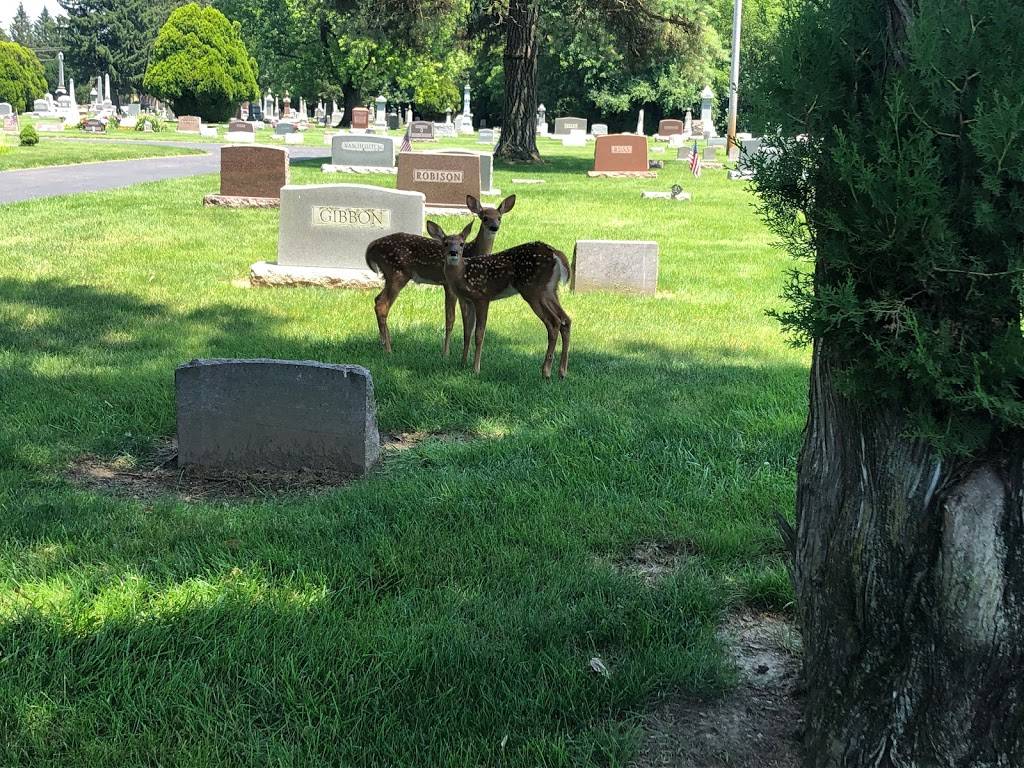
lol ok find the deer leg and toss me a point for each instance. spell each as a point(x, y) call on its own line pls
point(393, 284)
point(468, 324)
point(481, 327)
point(449, 319)
point(551, 325)
point(565, 326)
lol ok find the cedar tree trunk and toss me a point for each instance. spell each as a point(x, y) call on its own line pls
point(519, 125)
point(909, 573)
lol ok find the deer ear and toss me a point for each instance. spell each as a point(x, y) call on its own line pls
point(507, 204)
point(466, 232)
point(473, 204)
point(435, 231)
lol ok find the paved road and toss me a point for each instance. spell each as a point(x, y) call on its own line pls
point(32, 183)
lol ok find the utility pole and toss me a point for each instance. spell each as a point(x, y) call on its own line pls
point(734, 84)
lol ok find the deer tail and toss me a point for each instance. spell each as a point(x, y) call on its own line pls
point(371, 259)
point(563, 265)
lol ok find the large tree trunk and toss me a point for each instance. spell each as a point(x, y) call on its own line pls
point(909, 573)
point(519, 125)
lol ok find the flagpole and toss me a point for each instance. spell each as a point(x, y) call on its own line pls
point(734, 86)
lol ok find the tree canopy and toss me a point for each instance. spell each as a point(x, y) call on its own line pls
point(201, 65)
point(21, 76)
point(909, 195)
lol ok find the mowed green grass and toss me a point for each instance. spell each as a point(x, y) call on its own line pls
point(444, 610)
point(50, 152)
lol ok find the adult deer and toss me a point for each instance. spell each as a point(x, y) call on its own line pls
point(533, 270)
point(402, 257)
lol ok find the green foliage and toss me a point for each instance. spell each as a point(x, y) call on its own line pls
point(155, 123)
point(112, 36)
point(21, 76)
point(908, 194)
point(201, 65)
point(28, 136)
point(21, 28)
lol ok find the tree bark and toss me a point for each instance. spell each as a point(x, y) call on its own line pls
point(909, 574)
point(519, 125)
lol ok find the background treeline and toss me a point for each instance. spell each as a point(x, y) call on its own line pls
point(601, 60)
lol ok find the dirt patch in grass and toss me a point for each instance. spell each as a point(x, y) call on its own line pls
point(653, 560)
point(759, 724)
point(158, 474)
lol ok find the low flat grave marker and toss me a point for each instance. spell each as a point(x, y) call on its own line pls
point(443, 179)
point(189, 124)
point(623, 266)
point(283, 129)
point(276, 415)
point(621, 154)
point(325, 228)
point(566, 125)
point(251, 177)
point(94, 125)
point(362, 154)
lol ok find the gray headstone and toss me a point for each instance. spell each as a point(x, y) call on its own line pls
point(421, 130)
point(330, 225)
point(393, 122)
point(599, 129)
point(751, 149)
point(132, 110)
point(486, 136)
point(276, 415)
point(566, 125)
point(710, 155)
point(283, 129)
point(370, 151)
point(625, 266)
point(40, 105)
point(6, 108)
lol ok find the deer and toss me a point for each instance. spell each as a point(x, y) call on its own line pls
point(401, 257)
point(533, 270)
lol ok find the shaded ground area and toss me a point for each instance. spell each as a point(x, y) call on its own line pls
point(757, 725)
point(159, 474)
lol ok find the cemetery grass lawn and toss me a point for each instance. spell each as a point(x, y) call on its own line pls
point(443, 611)
point(50, 152)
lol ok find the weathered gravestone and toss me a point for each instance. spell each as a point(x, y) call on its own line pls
point(621, 154)
point(361, 154)
point(393, 121)
point(566, 125)
point(6, 109)
point(599, 129)
point(668, 128)
point(325, 228)
point(251, 177)
point(189, 124)
point(360, 118)
point(625, 266)
point(276, 415)
point(283, 129)
point(486, 136)
point(444, 179)
point(421, 130)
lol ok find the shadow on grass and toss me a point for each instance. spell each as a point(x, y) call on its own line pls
point(417, 617)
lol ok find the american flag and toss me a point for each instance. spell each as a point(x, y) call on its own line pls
point(695, 161)
point(406, 143)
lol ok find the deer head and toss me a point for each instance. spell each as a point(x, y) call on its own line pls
point(453, 244)
point(490, 218)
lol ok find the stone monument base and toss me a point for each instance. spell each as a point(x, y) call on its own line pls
point(328, 168)
point(230, 201)
point(266, 275)
point(620, 174)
